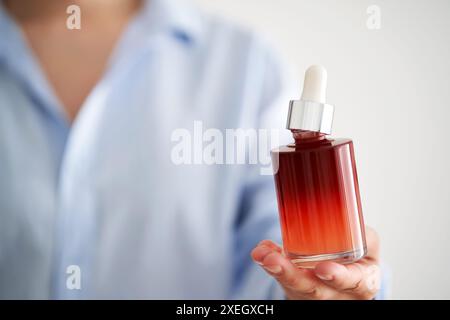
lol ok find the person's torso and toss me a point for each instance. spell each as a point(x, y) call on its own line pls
point(109, 188)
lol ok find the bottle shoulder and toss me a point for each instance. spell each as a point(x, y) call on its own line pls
point(329, 143)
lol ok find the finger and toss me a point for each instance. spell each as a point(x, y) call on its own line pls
point(357, 278)
point(260, 252)
point(299, 282)
point(262, 249)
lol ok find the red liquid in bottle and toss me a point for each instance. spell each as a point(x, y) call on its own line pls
point(318, 199)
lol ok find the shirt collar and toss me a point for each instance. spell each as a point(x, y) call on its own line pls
point(8, 33)
point(171, 19)
point(174, 18)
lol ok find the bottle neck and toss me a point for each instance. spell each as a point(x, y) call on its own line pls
point(304, 136)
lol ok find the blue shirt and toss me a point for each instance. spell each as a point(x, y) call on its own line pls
point(104, 193)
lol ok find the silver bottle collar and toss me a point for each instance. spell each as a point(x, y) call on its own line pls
point(310, 116)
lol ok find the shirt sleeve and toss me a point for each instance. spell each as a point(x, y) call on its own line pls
point(257, 218)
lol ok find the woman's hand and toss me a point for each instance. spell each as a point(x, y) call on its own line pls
point(328, 280)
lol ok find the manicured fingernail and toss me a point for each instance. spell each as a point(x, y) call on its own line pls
point(273, 269)
point(326, 277)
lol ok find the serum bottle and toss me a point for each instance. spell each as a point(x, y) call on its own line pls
point(316, 183)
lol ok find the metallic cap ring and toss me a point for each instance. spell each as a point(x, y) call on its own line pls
point(310, 116)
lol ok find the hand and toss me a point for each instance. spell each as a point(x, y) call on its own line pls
point(328, 280)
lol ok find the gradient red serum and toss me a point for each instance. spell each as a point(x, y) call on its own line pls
point(317, 184)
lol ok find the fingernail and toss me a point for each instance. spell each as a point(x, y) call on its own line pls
point(326, 277)
point(266, 251)
point(273, 269)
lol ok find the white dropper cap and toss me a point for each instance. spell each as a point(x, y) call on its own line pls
point(311, 112)
point(315, 84)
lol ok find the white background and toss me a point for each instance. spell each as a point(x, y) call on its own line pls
point(391, 91)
